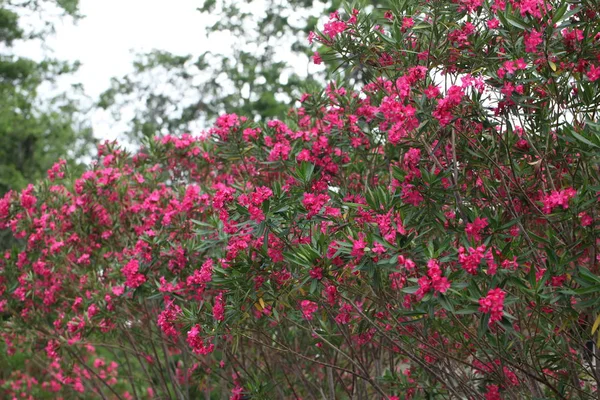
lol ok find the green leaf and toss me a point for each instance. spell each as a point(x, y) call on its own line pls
point(410, 290)
point(512, 20)
point(447, 305)
point(467, 311)
point(582, 139)
point(560, 11)
point(313, 286)
point(588, 276)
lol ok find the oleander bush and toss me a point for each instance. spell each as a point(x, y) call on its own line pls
point(431, 233)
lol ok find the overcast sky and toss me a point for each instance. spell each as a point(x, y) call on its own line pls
point(113, 30)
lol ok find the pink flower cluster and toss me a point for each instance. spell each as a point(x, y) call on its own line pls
point(335, 26)
point(167, 319)
point(493, 303)
point(434, 280)
point(197, 343)
point(131, 272)
point(470, 259)
point(443, 111)
point(473, 229)
point(254, 201)
point(202, 276)
point(314, 203)
point(308, 309)
point(532, 40)
point(558, 198)
point(219, 307)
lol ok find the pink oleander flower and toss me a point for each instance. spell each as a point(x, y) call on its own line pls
point(131, 272)
point(167, 319)
point(314, 203)
point(334, 28)
point(358, 246)
point(586, 219)
point(317, 58)
point(197, 343)
point(492, 393)
point(473, 229)
point(470, 259)
point(493, 23)
point(593, 74)
point(558, 198)
point(308, 309)
point(219, 307)
point(493, 304)
point(532, 40)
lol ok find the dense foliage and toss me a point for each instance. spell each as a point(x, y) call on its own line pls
point(431, 234)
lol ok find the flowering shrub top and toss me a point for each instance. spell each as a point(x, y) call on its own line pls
point(431, 233)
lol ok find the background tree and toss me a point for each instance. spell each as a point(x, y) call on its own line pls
point(37, 125)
